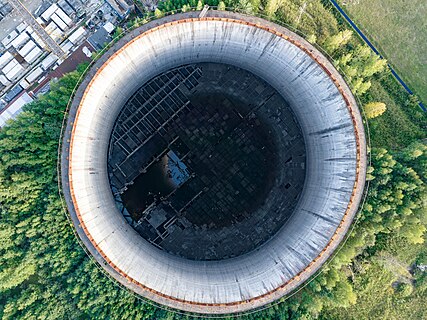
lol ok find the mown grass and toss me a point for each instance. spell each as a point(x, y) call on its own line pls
point(398, 29)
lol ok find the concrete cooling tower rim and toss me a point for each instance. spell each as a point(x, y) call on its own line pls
point(335, 161)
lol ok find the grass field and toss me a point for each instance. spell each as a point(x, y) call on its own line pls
point(394, 129)
point(398, 30)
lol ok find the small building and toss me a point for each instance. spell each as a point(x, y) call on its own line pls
point(10, 65)
point(121, 8)
point(109, 27)
point(51, 27)
point(29, 30)
point(14, 108)
point(66, 7)
point(75, 4)
point(59, 22)
point(33, 55)
point(57, 35)
point(27, 48)
point(5, 9)
point(40, 21)
point(34, 75)
point(3, 80)
point(6, 42)
point(64, 17)
point(49, 12)
point(77, 35)
point(42, 8)
point(8, 97)
point(5, 58)
point(14, 72)
point(38, 40)
point(99, 39)
point(20, 40)
point(24, 84)
point(66, 46)
point(55, 32)
point(48, 61)
point(21, 27)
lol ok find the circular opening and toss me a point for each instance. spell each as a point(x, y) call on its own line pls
point(206, 161)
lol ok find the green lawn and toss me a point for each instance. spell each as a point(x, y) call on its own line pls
point(398, 30)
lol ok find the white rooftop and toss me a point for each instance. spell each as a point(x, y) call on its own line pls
point(15, 108)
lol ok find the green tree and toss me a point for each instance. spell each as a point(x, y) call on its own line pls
point(404, 289)
point(158, 13)
point(271, 7)
point(118, 32)
point(372, 65)
point(414, 230)
point(312, 38)
point(414, 151)
point(374, 109)
point(199, 5)
point(360, 86)
point(334, 42)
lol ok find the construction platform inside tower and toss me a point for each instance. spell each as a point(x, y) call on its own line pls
point(207, 161)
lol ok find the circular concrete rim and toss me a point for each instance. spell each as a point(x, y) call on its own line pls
point(287, 285)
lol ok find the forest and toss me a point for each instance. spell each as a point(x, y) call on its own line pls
point(380, 271)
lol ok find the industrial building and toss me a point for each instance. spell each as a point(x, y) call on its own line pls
point(260, 144)
point(24, 60)
point(15, 107)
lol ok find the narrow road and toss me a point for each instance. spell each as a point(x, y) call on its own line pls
point(346, 17)
point(30, 20)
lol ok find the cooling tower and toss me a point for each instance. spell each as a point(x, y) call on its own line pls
point(260, 142)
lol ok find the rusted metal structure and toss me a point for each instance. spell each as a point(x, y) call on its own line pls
point(335, 159)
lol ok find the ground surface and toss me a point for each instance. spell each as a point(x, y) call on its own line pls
point(374, 285)
point(398, 30)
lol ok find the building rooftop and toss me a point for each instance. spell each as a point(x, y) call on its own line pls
point(99, 39)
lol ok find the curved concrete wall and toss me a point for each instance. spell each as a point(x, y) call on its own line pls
point(335, 147)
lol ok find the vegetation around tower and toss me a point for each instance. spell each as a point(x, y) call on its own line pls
point(377, 274)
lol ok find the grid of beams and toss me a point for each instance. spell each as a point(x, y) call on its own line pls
point(241, 144)
point(143, 123)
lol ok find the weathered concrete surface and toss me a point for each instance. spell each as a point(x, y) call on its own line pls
point(335, 146)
